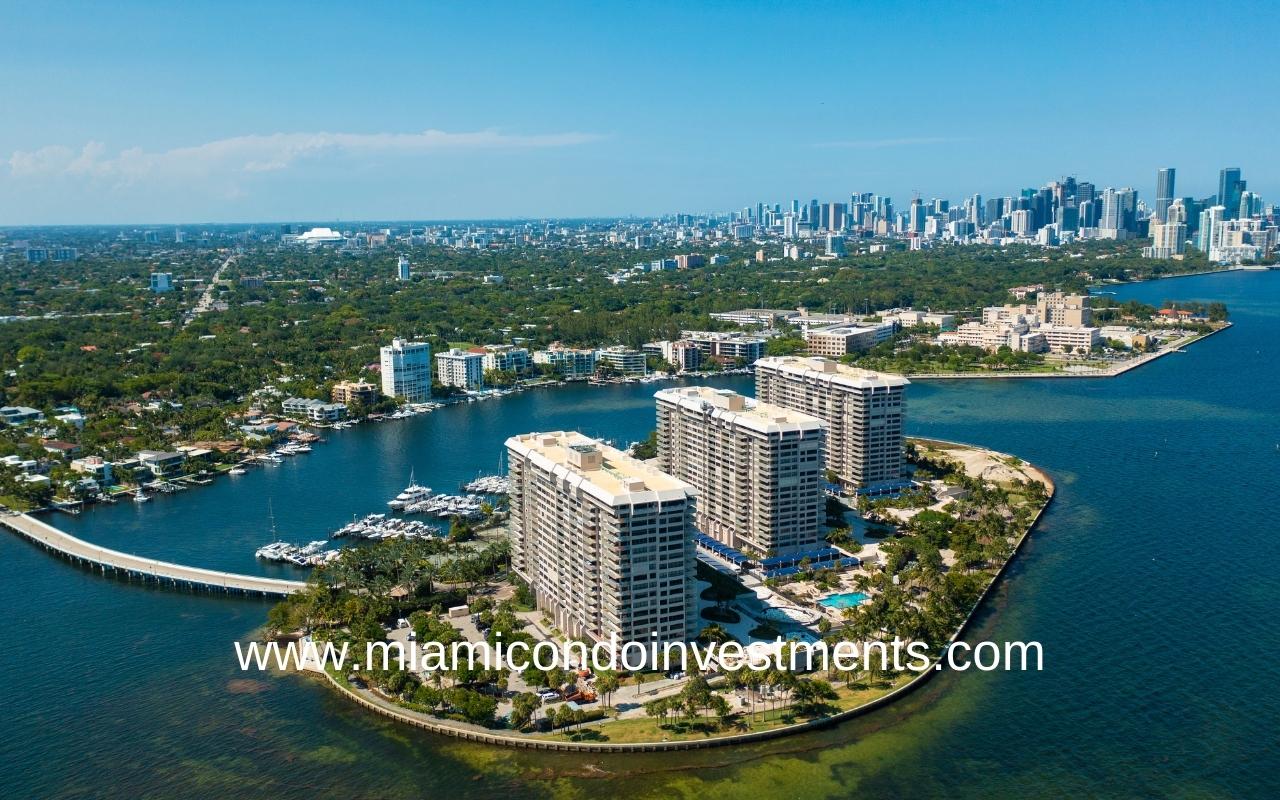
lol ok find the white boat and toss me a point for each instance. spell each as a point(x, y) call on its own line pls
point(139, 497)
point(237, 471)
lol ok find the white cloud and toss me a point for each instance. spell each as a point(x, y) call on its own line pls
point(263, 153)
point(875, 144)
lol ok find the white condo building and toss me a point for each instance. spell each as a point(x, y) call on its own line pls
point(605, 541)
point(406, 370)
point(757, 467)
point(865, 412)
point(462, 369)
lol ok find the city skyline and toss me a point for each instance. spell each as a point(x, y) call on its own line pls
point(132, 115)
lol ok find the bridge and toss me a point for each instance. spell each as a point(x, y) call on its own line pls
point(131, 566)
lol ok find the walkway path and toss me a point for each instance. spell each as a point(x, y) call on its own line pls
point(84, 552)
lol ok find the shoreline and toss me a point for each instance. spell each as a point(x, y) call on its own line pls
point(1113, 371)
point(475, 733)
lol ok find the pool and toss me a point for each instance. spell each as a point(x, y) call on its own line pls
point(845, 600)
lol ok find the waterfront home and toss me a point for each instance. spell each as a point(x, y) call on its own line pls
point(95, 467)
point(162, 464)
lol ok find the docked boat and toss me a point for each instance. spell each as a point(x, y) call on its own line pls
point(237, 471)
point(490, 484)
point(413, 494)
point(141, 497)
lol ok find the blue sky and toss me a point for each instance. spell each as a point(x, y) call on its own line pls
point(151, 112)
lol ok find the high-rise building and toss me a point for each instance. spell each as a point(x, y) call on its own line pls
point(461, 369)
point(402, 268)
point(864, 411)
point(1209, 235)
point(1164, 192)
point(915, 216)
point(406, 370)
point(1118, 219)
point(604, 540)
point(757, 468)
point(1230, 187)
point(1168, 239)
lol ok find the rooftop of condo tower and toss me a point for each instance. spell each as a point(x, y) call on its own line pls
point(739, 410)
point(832, 371)
point(603, 471)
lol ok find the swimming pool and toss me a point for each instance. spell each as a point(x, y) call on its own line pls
point(845, 600)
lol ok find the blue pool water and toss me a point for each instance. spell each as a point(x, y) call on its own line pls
point(844, 600)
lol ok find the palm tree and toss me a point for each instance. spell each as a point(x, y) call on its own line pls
point(607, 683)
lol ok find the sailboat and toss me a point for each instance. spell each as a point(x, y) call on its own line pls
point(274, 550)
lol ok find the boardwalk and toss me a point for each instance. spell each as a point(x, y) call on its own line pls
point(124, 564)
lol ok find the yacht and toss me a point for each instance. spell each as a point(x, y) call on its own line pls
point(237, 471)
point(412, 494)
point(140, 496)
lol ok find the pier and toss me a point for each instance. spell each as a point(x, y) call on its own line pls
point(131, 566)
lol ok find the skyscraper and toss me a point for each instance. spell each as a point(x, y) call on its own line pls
point(1230, 187)
point(757, 468)
point(864, 411)
point(402, 268)
point(1164, 192)
point(604, 540)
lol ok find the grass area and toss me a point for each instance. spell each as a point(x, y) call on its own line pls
point(652, 730)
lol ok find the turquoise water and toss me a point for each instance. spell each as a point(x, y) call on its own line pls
point(843, 600)
point(1152, 584)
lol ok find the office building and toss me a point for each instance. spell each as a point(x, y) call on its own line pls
point(1230, 188)
point(604, 540)
point(838, 340)
point(865, 412)
point(757, 468)
point(1164, 192)
point(402, 269)
point(406, 370)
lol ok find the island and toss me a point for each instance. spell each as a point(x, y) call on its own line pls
point(927, 557)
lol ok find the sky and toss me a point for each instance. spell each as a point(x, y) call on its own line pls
point(130, 112)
